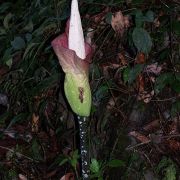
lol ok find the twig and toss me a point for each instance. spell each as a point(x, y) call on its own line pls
point(17, 153)
point(149, 141)
point(137, 145)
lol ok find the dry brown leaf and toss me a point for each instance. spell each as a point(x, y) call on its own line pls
point(140, 83)
point(153, 68)
point(35, 123)
point(119, 22)
point(140, 58)
point(90, 35)
point(22, 177)
point(3, 70)
point(152, 126)
point(157, 22)
point(142, 138)
point(123, 60)
point(111, 103)
point(68, 176)
point(173, 145)
point(145, 96)
point(107, 67)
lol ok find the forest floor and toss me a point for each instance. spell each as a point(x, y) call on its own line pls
point(134, 129)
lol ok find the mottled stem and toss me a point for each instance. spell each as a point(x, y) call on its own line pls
point(84, 147)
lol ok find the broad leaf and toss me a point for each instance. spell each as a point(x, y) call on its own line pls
point(94, 166)
point(36, 150)
point(18, 43)
point(7, 20)
point(176, 27)
point(116, 163)
point(129, 75)
point(18, 118)
point(149, 16)
point(175, 108)
point(108, 17)
point(162, 81)
point(167, 79)
point(142, 40)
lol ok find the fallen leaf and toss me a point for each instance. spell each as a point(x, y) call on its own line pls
point(157, 22)
point(145, 96)
point(89, 35)
point(140, 58)
point(142, 138)
point(35, 123)
point(122, 58)
point(119, 22)
point(140, 83)
point(68, 176)
point(22, 177)
point(97, 18)
point(153, 68)
point(152, 126)
point(173, 145)
point(4, 99)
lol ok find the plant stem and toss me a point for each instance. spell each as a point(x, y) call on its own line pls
point(84, 148)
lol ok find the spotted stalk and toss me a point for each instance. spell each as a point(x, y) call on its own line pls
point(84, 146)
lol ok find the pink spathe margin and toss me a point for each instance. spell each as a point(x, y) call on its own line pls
point(68, 59)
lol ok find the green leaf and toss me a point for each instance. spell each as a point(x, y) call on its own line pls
point(167, 79)
point(7, 57)
point(4, 117)
point(28, 37)
point(45, 84)
point(176, 27)
point(7, 20)
point(134, 72)
point(177, 76)
point(149, 16)
point(36, 150)
point(170, 173)
point(9, 62)
point(101, 92)
point(20, 117)
point(94, 166)
point(4, 7)
point(126, 74)
point(63, 161)
point(175, 84)
point(108, 17)
point(18, 43)
point(74, 159)
point(2, 31)
point(142, 40)
point(59, 160)
point(29, 27)
point(139, 18)
point(116, 163)
point(175, 109)
point(29, 48)
point(162, 81)
point(162, 164)
point(167, 167)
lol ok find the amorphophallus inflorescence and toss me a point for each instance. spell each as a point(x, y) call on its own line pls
point(74, 55)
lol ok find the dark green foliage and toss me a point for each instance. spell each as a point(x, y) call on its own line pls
point(32, 80)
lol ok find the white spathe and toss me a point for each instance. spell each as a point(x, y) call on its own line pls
point(76, 37)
